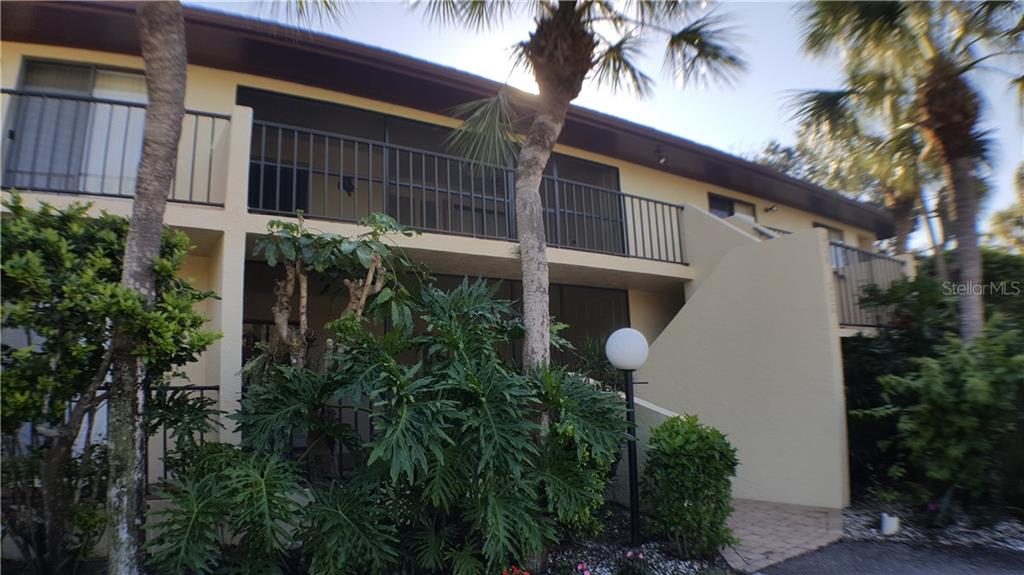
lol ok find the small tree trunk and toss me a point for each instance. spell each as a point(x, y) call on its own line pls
point(968, 254)
point(533, 157)
point(55, 495)
point(162, 38)
point(284, 288)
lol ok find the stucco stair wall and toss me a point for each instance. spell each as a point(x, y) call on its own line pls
point(755, 352)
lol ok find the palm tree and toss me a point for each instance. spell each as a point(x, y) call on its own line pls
point(930, 50)
point(572, 42)
point(162, 41)
point(835, 125)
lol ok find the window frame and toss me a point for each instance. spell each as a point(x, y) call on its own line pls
point(830, 230)
point(733, 202)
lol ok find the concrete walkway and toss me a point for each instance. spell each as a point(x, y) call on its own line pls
point(880, 558)
point(773, 532)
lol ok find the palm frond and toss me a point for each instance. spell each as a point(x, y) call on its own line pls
point(830, 25)
point(476, 15)
point(520, 57)
point(825, 114)
point(309, 13)
point(657, 12)
point(703, 52)
point(616, 68)
point(487, 135)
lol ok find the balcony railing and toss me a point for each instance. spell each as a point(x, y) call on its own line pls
point(338, 177)
point(83, 145)
point(95, 431)
point(854, 269)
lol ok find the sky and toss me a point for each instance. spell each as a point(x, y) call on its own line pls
point(738, 119)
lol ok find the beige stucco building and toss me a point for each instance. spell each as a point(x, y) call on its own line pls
point(743, 279)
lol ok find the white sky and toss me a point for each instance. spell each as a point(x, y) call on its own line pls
point(737, 119)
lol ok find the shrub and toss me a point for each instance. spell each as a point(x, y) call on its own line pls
point(473, 466)
point(226, 495)
point(62, 295)
point(958, 411)
point(922, 316)
point(688, 471)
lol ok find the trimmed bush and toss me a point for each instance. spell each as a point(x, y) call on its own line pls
point(687, 478)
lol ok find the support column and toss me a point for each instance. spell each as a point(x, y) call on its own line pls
point(228, 265)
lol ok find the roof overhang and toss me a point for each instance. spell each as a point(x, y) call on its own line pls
point(245, 45)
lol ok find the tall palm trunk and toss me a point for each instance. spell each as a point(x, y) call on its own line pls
point(950, 108)
point(902, 210)
point(533, 157)
point(162, 38)
point(968, 254)
point(561, 51)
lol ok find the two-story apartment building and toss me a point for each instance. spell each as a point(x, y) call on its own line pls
point(742, 278)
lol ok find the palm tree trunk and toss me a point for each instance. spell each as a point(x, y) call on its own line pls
point(938, 247)
point(968, 254)
point(162, 39)
point(902, 210)
point(533, 157)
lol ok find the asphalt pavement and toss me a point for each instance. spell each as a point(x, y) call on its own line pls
point(883, 558)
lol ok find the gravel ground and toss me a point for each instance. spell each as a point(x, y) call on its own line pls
point(604, 554)
point(876, 558)
point(860, 523)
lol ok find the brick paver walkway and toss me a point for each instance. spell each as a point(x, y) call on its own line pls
point(773, 532)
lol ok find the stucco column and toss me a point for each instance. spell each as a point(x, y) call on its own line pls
point(229, 274)
point(228, 271)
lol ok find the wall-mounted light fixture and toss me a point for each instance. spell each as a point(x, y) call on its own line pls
point(661, 157)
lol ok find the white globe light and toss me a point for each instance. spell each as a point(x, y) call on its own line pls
point(626, 349)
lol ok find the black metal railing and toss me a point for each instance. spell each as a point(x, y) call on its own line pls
point(156, 463)
point(338, 177)
point(95, 431)
point(92, 146)
point(854, 269)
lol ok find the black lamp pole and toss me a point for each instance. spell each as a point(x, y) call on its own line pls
point(634, 486)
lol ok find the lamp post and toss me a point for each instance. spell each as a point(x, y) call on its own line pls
point(626, 349)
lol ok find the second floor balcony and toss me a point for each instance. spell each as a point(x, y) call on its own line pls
point(336, 176)
point(86, 145)
point(91, 146)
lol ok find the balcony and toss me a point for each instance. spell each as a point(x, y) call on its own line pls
point(853, 270)
point(338, 177)
point(92, 146)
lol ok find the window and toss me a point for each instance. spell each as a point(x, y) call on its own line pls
point(583, 171)
point(69, 144)
point(724, 207)
point(834, 234)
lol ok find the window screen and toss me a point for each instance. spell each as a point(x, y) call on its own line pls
point(63, 144)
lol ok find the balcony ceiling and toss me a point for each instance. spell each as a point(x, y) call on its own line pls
point(234, 43)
